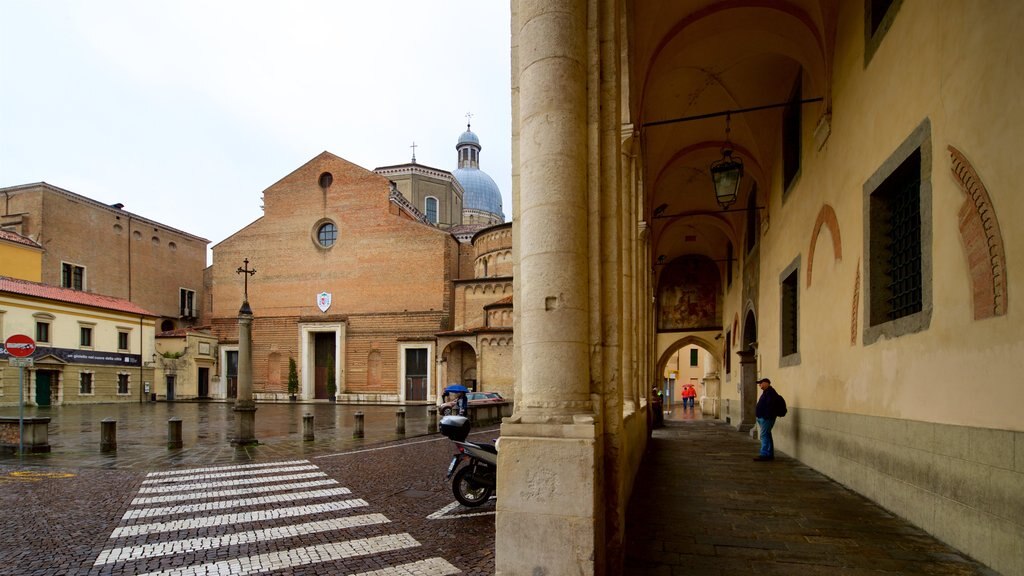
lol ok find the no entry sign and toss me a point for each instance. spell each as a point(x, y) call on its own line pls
point(20, 346)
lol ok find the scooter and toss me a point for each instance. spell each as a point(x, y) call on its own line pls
point(473, 483)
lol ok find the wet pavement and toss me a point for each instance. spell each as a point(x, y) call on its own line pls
point(336, 505)
point(207, 430)
point(381, 506)
point(702, 506)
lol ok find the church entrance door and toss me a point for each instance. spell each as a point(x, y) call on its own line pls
point(323, 353)
point(415, 374)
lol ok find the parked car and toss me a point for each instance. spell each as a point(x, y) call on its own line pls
point(475, 399)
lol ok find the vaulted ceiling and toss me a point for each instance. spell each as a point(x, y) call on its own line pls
point(699, 57)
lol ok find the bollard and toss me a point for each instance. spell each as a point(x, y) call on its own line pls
point(307, 427)
point(174, 434)
point(108, 435)
point(358, 432)
point(432, 419)
point(400, 421)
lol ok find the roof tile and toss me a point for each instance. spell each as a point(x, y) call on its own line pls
point(38, 290)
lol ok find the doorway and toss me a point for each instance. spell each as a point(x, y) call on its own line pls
point(415, 374)
point(204, 382)
point(170, 387)
point(46, 385)
point(232, 373)
point(323, 355)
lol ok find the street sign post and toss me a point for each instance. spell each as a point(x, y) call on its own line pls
point(19, 353)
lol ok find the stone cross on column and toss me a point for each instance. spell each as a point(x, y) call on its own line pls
point(245, 407)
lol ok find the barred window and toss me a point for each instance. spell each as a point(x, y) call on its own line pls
point(122, 383)
point(85, 383)
point(789, 314)
point(897, 241)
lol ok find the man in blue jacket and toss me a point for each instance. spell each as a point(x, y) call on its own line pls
point(766, 414)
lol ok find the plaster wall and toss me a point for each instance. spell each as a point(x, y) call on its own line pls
point(20, 262)
point(957, 371)
point(17, 316)
point(926, 423)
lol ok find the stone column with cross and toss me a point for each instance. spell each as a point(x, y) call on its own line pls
point(245, 406)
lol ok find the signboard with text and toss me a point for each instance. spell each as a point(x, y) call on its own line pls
point(73, 356)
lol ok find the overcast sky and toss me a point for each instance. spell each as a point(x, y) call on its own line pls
point(186, 111)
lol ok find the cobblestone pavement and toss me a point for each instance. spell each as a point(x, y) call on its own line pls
point(702, 506)
point(380, 505)
point(337, 505)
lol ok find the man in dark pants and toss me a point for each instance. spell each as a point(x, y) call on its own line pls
point(766, 415)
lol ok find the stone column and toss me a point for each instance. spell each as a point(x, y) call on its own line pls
point(245, 407)
point(748, 389)
point(553, 244)
point(712, 387)
point(549, 466)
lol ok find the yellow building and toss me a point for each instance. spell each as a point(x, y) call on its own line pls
point(866, 261)
point(89, 348)
point(185, 363)
point(20, 257)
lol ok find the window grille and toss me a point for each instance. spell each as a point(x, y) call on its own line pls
point(790, 307)
point(896, 243)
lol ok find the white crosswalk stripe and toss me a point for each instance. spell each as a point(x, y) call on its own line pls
point(164, 489)
point(238, 492)
point(251, 496)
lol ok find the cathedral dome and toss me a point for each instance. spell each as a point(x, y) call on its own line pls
point(482, 195)
point(481, 191)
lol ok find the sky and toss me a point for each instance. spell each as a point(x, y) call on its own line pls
point(185, 111)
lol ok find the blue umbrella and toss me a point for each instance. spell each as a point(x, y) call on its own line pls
point(456, 388)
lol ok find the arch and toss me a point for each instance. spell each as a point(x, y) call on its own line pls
point(818, 68)
point(715, 221)
point(374, 368)
point(459, 358)
point(749, 329)
point(827, 218)
point(430, 209)
point(683, 342)
point(274, 370)
point(751, 166)
point(689, 295)
point(982, 240)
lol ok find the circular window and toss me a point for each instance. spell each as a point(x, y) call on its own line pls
point(327, 234)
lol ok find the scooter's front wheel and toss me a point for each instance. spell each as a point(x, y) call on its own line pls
point(468, 492)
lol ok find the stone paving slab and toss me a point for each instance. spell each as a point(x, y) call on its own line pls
point(703, 506)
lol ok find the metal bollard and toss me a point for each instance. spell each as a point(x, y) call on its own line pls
point(174, 434)
point(108, 435)
point(400, 421)
point(307, 427)
point(358, 432)
point(432, 419)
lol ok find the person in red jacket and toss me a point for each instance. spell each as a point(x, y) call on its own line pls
point(689, 395)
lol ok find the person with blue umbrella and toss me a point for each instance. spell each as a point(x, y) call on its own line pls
point(461, 400)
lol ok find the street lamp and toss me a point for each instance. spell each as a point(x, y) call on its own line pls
point(727, 173)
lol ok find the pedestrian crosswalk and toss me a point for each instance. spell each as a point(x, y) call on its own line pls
point(254, 519)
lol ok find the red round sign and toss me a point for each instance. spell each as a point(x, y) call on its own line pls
point(20, 346)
